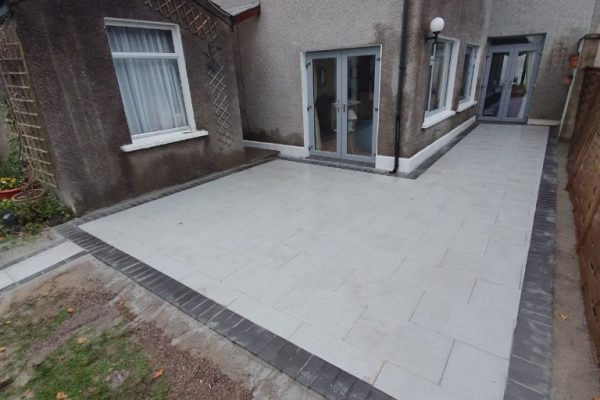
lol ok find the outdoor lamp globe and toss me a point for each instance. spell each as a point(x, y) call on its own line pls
point(436, 25)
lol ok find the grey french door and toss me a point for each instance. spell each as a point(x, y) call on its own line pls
point(508, 82)
point(343, 103)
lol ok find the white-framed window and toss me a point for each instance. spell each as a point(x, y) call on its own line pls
point(442, 74)
point(466, 95)
point(148, 59)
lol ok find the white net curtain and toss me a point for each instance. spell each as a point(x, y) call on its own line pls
point(148, 73)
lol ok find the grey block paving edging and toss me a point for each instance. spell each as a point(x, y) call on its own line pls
point(530, 368)
point(311, 371)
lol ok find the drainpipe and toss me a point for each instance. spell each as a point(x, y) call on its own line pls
point(401, 80)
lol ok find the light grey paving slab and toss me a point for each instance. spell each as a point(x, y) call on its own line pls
point(5, 280)
point(453, 285)
point(493, 269)
point(476, 327)
point(211, 288)
point(263, 314)
point(496, 298)
point(333, 312)
point(352, 359)
point(404, 385)
point(420, 350)
point(42, 261)
point(340, 262)
point(475, 374)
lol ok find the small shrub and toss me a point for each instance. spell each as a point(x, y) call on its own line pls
point(13, 166)
point(48, 211)
point(31, 218)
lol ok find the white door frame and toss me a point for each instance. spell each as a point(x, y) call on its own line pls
point(342, 79)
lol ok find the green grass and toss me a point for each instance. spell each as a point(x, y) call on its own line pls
point(81, 370)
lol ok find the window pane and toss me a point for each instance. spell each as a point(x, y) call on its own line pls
point(468, 73)
point(439, 76)
point(519, 93)
point(152, 95)
point(139, 40)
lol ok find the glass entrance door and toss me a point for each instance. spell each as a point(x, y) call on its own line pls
point(509, 78)
point(343, 92)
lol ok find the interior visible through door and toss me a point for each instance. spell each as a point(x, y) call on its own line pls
point(343, 89)
point(509, 78)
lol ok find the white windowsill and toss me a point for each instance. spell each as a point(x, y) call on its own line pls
point(465, 105)
point(160, 140)
point(437, 118)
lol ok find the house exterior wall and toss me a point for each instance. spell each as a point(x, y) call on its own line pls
point(271, 48)
point(563, 23)
point(270, 52)
point(74, 79)
point(465, 21)
point(595, 25)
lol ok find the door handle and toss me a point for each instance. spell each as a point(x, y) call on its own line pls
point(344, 107)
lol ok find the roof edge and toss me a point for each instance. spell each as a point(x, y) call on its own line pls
point(232, 16)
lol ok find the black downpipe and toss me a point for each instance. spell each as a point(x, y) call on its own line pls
point(401, 80)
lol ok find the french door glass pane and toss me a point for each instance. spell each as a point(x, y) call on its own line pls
point(495, 84)
point(523, 69)
point(359, 105)
point(325, 104)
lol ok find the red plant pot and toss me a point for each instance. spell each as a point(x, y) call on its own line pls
point(7, 194)
point(574, 61)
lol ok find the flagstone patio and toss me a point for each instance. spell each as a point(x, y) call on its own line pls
point(411, 285)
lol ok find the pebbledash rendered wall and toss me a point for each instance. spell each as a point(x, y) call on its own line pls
point(465, 21)
point(270, 50)
point(564, 23)
point(270, 53)
point(76, 86)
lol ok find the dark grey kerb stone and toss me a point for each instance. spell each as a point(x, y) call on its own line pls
point(193, 303)
point(269, 353)
point(255, 339)
point(516, 391)
point(341, 387)
point(360, 391)
point(310, 371)
point(529, 376)
point(325, 379)
point(296, 363)
point(285, 355)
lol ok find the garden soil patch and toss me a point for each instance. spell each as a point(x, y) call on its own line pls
point(71, 338)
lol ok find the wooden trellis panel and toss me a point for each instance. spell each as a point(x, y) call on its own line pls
point(188, 16)
point(193, 18)
point(23, 109)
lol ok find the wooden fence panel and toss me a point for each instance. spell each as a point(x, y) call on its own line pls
point(584, 189)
